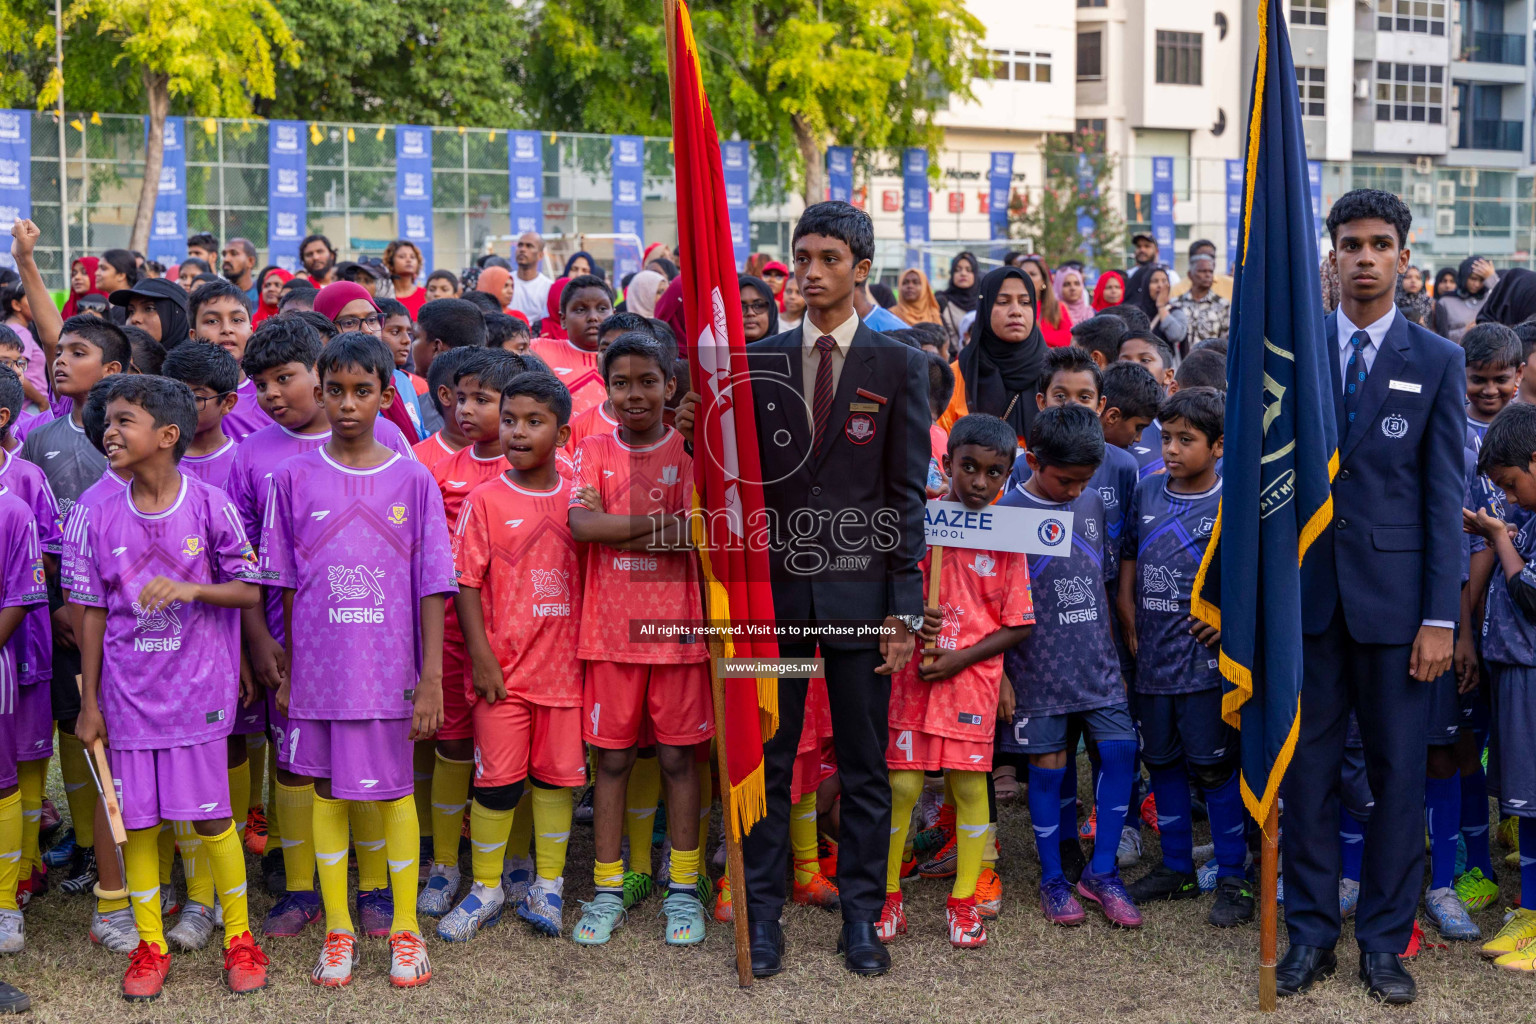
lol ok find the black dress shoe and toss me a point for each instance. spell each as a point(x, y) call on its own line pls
point(1384, 975)
point(767, 946)
point(1302, 967)
point(863, 952)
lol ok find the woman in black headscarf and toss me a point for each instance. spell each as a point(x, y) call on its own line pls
point(1513, 299)
point(759, 308)
point(1454, 313)
point(573, 267)
point(1151, 293)
point(959, 296)
point(999, 371)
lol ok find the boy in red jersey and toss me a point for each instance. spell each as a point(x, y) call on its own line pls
point(584, 304)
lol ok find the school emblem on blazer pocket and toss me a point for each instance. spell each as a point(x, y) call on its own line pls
point(860, 428)
point(1395, 426)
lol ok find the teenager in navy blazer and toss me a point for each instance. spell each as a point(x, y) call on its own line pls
point(1380, 596)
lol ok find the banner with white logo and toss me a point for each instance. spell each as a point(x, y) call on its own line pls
point(628, 157)
point(525, 180)
point(1162, 207)
point(168, 230)
point(413, 189)
point(15, 176)
point(914, 167)
point(287, 190)
point(734, 159)
point(840, 173)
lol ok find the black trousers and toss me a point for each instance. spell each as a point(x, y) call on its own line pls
point(1392, 709)
point(860, 704)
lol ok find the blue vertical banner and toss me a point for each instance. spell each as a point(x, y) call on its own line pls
point(1162, 207)
point(287, 187)
point(1234, 210)
point(628, 206)
point(168, 229)
point(525, 180)
point(1088, 188)
point(735, 161)
point(15, 176)
point(1315, 189)
point(413, 189)
point(1000, 190)
point(840, 173)
point(914, 168)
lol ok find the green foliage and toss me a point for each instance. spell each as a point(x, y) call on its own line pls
point(93, 81)
point(1051, 222)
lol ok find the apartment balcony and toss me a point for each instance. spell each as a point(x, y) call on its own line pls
point(1505, 136)
point(1492, 48)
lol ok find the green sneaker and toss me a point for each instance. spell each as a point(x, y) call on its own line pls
point(685, 919)
point(598, 919)
point(705, 889)
point(637, 888)
point(1475, 890)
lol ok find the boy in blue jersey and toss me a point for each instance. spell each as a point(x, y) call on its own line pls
point(1067, 668)
point(1176, 696)
point(1508, 457)
point(1157, 357)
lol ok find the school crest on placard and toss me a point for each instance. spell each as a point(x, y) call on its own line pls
point(1395, 426)
point(398, 514)
point(860, 428)
point(192, 546)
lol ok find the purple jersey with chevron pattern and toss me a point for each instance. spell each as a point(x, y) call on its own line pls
point(213, 469)
point(22, 585)
point(170, 678)
point(32, 643)
point(360, 548)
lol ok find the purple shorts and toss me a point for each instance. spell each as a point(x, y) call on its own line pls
point(8, 746)
point(364, 759)
point(277, 732)
point(172, 783)
point(34, 723)
point(250, 721)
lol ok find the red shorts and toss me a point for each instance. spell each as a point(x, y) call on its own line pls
point(618, 698)
point(515, 738)
point(458, 681)
point(812, 768)
point(912, 749)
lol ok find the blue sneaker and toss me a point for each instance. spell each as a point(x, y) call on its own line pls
point(1349, 897)
point(1205, 874)
point(598, 919)
point(292, 914)
point(480, 909)
point(515, 883)
point(544, 907)
point(1449, 916)
point(437, 895)
point(59, 854)
point(376, 912)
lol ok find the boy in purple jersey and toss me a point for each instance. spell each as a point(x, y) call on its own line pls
point(280, 359)
point(23, 586)
point(357, 539)
point(221, 316)
point(212, 374)
point(160, 568)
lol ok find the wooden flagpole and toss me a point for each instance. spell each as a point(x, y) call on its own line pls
point(1268, 911)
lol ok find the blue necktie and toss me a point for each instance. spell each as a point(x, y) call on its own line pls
point(1354, 374)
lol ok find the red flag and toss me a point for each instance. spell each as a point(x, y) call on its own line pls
point(728, 492)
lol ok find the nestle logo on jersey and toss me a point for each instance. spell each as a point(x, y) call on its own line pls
point(157, 645)
point(1080, 615)
point(357, 615)
point(551, 609)
point(634, 563)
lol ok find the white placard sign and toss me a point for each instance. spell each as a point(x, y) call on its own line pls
point(998, 528)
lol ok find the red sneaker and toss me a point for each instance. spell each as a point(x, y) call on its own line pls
point(966, 930)
point(893, 918)
point(723, 910)
point(818, 892)
point(147, 968)
point(1149, 812)
point(256, 831)
point(826, 853)
point(245, 965)
point(1089, 828)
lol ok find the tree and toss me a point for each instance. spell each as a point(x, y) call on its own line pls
point(215, 55)
point(93, 79)
point(1077, 182)
point(404, 61)
point(797, 74)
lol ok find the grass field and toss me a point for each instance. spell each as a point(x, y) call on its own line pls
point(1176, 968)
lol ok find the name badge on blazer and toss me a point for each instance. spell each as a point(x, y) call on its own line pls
point(1405, 385)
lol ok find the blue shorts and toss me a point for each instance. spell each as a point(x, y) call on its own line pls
point(1047, 734)
point(1444, 711)
point(1473, 704)
point(1175, 727)
point(1511, 757)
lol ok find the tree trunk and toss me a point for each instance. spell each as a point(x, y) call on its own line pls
point(156, 90)
point(815, 161)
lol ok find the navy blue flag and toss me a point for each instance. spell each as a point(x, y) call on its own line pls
point(1281, 443)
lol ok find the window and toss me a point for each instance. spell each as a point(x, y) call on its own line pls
point(1021, 66)
point(1309, 82)
point(1090, 133)
point(1091, 3)
point(1309, 12)
point(1411, 16)
point(1178, 58)
point(1090, 56)
point(1410, 92)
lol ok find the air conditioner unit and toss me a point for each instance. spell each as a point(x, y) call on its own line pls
point(1445, 222)
point(1423, 165)
point(1423, 193)
point(1469, 177)
point(1362, 88)
point(1445, 192)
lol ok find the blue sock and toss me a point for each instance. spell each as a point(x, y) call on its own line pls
point(1229, 827)
point(1351, 844)
point(1474, 822)
point(1045, 806)
point(1177, 835)
point(1069, 801)
point(1442, 802)
point(1527, 862)
point(1112, 799)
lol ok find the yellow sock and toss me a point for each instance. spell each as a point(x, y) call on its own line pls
point(142, 860)
point(368, 838)
point(402, 845)
point(10, 848)
point(256, 758)
point(684, 868)
point(225, 855)
point(423, 760)
point(330, 820)
point(640, 801)
point(970, 829)
point(167, 849)
point(450, 792)
point(552, 810)
point(79, 790)
point(608, 876)
point(488, 832)
point(989, 847)
point(520, 842)
point(32, 778)
point(802, 838)
point(240, 790)
point(906, 787)
point(274, 819)
point(296, 814)
point(194, 862)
